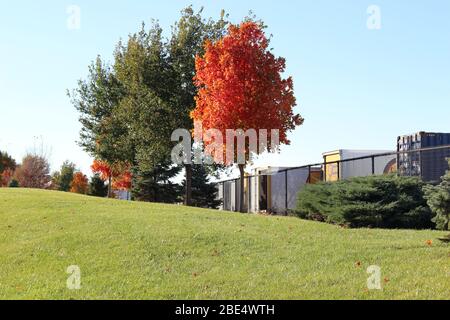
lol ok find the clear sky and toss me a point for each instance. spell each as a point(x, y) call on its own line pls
point(357, 88)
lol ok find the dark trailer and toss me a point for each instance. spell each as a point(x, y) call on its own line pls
point(429, 164)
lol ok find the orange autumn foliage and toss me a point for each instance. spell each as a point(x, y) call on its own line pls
point(79, 183)
point(119, 173)
point(241, 86)
point(123, 182)
point(5, 177)
point(101, 168)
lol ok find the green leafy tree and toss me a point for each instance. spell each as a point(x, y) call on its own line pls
point(97, 100)
point(64, 177)
point(187, 41)
point(439, 201)
point(142, 69)
point(97, 187)
point(104, 132)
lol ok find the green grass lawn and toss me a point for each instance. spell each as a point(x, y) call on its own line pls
point(150, 251)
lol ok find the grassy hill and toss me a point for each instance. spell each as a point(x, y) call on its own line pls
point(151, 251)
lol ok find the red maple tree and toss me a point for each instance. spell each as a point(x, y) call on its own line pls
point(118, 175)
point(102, 168)
point(123, 182)
point(241, 87)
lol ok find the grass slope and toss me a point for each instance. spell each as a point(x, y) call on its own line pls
point(150, 251)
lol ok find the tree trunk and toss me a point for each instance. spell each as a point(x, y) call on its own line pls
point(188, 189)
point(241, 191)
point(110, 187)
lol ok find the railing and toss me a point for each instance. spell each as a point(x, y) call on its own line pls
point(275, 190)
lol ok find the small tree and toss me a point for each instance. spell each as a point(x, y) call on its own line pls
point(33, 172)
point(103, 169)
point(117, 175)
point(79, 183)
point(5, 177)
point(439, 201)
point(14, 183)
point(61, 180)
point(155, 185)
point(97, 186)
point(204, 193)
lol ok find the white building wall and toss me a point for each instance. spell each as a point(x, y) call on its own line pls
point(362, 167)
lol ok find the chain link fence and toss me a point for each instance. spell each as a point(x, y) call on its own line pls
point(275, 191)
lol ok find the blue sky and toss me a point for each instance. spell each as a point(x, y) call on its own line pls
point(357, 88)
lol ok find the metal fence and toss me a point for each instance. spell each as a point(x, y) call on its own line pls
point(275, 191)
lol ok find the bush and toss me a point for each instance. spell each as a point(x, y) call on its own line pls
point(376, 201)
point(439, 201)
point(14, 183)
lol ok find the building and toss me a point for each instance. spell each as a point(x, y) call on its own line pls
point(268, 189)
point(343, 164)
point(122, 194)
